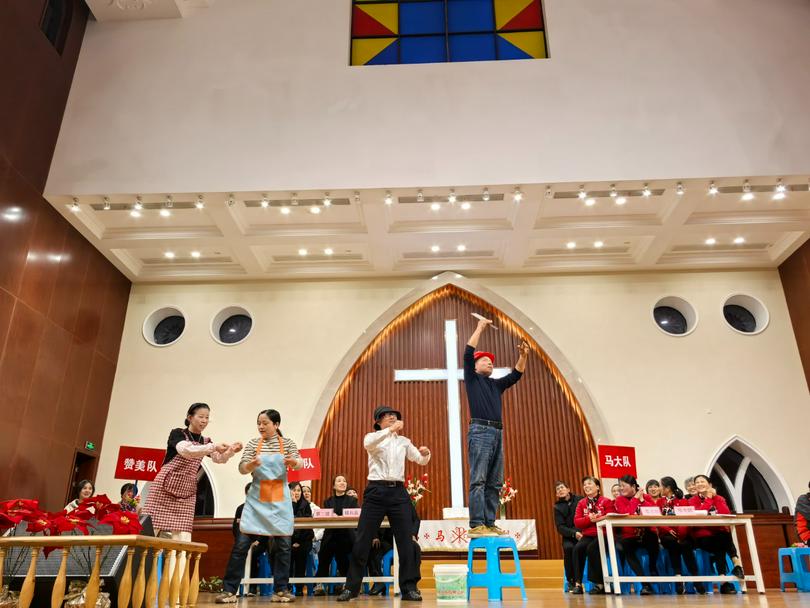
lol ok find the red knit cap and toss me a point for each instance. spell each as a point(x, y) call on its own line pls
point(482, 353)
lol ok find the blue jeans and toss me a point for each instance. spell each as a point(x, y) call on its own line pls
point(279, 561)
point(485, 455)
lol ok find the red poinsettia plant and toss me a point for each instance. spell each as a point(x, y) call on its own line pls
point(507, 492)
point(78, 521)
point(416, 487)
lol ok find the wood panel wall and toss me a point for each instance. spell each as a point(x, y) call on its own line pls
point(795, 275)
point(62, 304)
point(546, 435)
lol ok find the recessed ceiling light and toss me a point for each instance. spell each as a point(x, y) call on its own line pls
point(195, 254)
point(135, 213)
point(598, 244)
point(138, 203)
point(517, 195)
point(571, 245)
point(679, 189)
point(465, 205)
point(328, 251)
point(713, 189)
point(435, 206)
point(265, 202)
point(302, 252)
point(747, 194)
point(549, 192)
point(711, 241)
point(165, 213)
point(646, 192)
point(621, 200)
point(613, 193)
point(485, 195)
point(169, 254)
point(200, 204)
point(590, 202)
point(285, 211)
point(780, 192)
point(389, 200)
point(107, 205)
point(314, 210)
point(74, 206)
point(739, 240)
point(435, 249)
point(420, 197)
point(461, 248)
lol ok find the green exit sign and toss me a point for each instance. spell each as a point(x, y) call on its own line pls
point(89, 445)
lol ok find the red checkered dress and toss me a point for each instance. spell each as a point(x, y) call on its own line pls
point(173, 508)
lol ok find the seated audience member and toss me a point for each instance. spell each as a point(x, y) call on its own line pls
point(653, 488)
point(614, 491)
point(302, 537)
point(129, 498)
point(689, 484)
point(351, 492)
point(316, 542)
point(677, 541)
point(590, 510)
point(717, 541)
point(85, 489)
point(337, 543)
point(564, 510)
point(803, 517)
point(630, 502)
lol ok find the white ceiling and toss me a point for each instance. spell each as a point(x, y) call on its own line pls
point(134, 10)
point(238, 239)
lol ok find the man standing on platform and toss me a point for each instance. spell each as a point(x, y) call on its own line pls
point(485, 437)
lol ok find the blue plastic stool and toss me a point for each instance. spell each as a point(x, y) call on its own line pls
point(797, 575)
point(311, 568)
point(706, 568)
point(493, 579)
point(387, 562)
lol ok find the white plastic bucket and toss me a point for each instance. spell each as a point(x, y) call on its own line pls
point(451, 583)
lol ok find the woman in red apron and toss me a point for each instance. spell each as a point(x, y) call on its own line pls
point(173, 492)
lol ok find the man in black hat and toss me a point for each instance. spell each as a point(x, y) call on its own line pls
point(385, 496)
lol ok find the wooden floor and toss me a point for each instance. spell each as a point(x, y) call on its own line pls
point(553, 599)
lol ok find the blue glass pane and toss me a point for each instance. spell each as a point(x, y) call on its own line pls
point(472, 47)
point(507, 50)
point(470, 16)
point(423, 49)
point(421, 18)
point(388, 55)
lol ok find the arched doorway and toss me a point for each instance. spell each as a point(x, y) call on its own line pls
point(547, 436)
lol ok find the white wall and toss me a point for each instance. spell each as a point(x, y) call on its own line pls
point(676, 399)
point(257, 95)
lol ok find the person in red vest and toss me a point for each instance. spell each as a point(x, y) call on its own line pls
point(677, 541)
point(630, 501)
point(803, 517)
point(591, 509)
point(714, 539)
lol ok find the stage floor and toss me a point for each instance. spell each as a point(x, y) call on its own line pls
point(554, 599)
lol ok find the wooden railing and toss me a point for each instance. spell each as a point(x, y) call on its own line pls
point(175, 589)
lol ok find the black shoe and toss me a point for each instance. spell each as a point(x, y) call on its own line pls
point(337, 590)
point(700, 588)
point(646, 589)
point(411, 596)
point(597, 590)
point(571, 586)
point(377, 589)
point(346, 595)
point(299, 593)
point(727, 589)
point(738, 572)
point(577, 590)
point(680, 589)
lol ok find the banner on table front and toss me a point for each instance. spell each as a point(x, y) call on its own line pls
point(451, 534)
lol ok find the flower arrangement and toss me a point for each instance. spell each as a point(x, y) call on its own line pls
point(416, 487)
point(506, 494)
point(77, 521)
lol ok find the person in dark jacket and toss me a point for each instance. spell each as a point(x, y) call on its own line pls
point(564, 510)
point(336, 543)
point(301, 538)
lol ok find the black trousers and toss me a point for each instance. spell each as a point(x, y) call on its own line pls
point(375, 557)
point(719, 545)
point(568, 545)
point(337, 545)
point(588, 547)
point(298, 567)
point(649, 541)
point(378, 502)
point(678, 549)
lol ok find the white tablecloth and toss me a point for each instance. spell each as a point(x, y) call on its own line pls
point(451, 534)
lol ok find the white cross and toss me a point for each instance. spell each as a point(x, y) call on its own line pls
point(452, 371)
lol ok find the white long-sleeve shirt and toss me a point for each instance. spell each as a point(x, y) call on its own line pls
point(196, 451)
point(387, 452)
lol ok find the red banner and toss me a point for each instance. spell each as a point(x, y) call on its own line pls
point(140, 464)
point(616, 461)
point(311, 469)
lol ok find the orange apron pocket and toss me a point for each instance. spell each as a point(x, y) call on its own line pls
point(271, 490)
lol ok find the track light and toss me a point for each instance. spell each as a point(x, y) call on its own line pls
point(747, 194)
point(327, 201)
point(165, 212)
point(485, 195)
point(265, 202)
point(356, 197)
point(517, 195)
point(231, 200)
point(713, 190)
point(420, 198)
point(200, 204)
point(389, 200)
point(613, 193)
point(582, 193)
point(646, 192)
point(549, 192)
point(780, 191)
point(679, 189)
point(294, 199)
point(138, 203)
point(74, 206)
point(107, 205)
point(451, 198)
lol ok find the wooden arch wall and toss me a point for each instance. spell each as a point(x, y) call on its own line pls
point(546, 434)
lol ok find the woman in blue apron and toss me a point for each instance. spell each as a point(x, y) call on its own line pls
point(268, 508)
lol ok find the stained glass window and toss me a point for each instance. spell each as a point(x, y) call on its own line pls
point(433, 31)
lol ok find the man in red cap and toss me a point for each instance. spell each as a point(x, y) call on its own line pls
point(485, 437)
